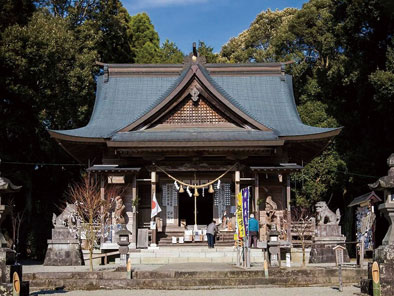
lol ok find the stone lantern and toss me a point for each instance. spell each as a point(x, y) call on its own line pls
point(384, 255)
point(123, 242)
point(7, 255)
point(274, 249)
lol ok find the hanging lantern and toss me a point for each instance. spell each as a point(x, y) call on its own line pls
point(210, 190)
point(181, 190)
point(196, 192)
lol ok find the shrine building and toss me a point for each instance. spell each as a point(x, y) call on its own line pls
point(234, 124)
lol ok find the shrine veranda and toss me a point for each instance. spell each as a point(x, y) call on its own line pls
point(194, 122)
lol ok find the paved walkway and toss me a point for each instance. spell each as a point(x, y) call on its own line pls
point(266, 291)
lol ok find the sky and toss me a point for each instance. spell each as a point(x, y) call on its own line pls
point(211, 21)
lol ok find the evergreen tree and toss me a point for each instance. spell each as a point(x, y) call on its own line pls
point(46, 81)
point(170, 53)
point(145, 43)
point(15, 12)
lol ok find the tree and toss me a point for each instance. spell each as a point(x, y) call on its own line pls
point(207, 52)
point(107, 22)
point(170, 53)
point(321, 179)
point(87, 200)
point(92, 210)
point(303, 227)
point(15, 12)
point(46, 81)
point(256, 44)
point(111, 21)
point(144, 43)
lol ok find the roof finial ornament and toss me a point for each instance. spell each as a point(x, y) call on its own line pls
point(195, 53)
point(193, 57)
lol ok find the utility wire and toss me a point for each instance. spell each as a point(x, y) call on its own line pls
point(41, 164)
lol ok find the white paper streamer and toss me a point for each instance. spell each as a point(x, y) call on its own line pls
point(176, 185)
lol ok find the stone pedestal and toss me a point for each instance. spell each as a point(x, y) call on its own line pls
point(7, 258)
point(63, 249)
point(384, 255)
point(327, 237)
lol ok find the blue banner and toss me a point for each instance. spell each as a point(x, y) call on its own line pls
point(245, 209)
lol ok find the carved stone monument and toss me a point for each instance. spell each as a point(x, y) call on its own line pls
point(384, 255)
point(64, 248)
point(327, 236)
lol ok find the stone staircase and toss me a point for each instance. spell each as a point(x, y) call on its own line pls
point(223, 238)
point(188, 254)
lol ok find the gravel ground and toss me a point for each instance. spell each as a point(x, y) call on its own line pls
point(266, 291)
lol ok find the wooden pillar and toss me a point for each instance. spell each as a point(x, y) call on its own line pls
point(134, 210)
point(102, 196)
point(153, 192)
point(288, 193)
point(102, 187)
point(256, 195)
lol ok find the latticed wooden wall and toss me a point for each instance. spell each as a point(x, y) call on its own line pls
point(195, 113)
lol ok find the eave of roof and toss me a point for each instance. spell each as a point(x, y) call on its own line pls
point(112, 169)
point(364, 198)
point(282, 168)
point(195, 135)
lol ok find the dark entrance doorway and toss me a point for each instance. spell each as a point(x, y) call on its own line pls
point(204, 208)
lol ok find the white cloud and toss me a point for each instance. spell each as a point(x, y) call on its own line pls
point(141, 4)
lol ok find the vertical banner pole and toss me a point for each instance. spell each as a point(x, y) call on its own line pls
point(237, 179)
point(135, 210)
point(195, 212)
point(248, 234)
point(153, 192)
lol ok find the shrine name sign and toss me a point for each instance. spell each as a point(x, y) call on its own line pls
point(116, 179)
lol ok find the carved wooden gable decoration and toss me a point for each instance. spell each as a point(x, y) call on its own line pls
point(194, 111)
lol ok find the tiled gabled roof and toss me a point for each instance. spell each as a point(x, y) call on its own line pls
point(123, 99)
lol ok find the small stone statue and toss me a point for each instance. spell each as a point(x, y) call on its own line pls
point(119, 210)
point(67, 218)
point(325, 215)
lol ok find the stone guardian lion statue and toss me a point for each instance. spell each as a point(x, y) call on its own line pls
point(325, 215)
point(67, 218)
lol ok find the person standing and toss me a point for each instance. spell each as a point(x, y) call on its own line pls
point(253, 231)
point(211, 232)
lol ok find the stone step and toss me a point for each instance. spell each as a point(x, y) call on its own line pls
point(190, 248)
point(166, 255)
point(192, 279)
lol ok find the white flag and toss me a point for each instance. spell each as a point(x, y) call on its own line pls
point(155, 206)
